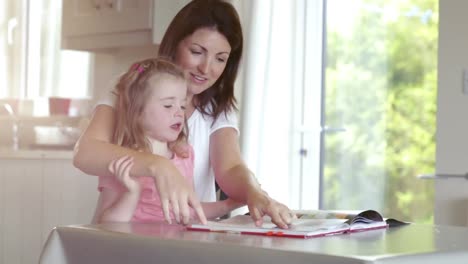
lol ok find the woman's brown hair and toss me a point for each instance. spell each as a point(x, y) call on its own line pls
point(132, 92)
point(219, 15)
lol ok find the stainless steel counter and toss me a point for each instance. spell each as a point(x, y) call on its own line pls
point(161, 243)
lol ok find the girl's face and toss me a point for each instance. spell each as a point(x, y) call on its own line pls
point(203, 57)
point(163, 115)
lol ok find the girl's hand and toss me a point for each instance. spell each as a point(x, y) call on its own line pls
point(261, 204)
point(121, 169)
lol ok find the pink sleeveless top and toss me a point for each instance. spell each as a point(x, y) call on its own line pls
point(149, 207)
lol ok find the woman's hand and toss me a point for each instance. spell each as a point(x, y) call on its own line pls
point(176, 194)
point(121, 169)
point(180, 147)
point(260, 204)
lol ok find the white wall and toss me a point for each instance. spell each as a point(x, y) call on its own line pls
point(451, 195)
point(109, 65)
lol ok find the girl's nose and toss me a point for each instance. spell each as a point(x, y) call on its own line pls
point(180, 112)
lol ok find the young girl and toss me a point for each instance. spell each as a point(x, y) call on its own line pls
point(151, 101)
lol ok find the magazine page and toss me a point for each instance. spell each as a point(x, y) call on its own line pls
point(309, 223)
point(243, 224)
point(357, 219)
point(366, 220)
point(297, 224)
point(326, 214)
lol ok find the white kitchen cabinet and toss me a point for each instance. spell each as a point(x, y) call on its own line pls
point(40, 190)
point(102, 24)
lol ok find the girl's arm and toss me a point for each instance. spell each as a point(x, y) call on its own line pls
point(114, 205)
point(217, 209)
point(239, 183)
point(120, 207)
point(94, 151)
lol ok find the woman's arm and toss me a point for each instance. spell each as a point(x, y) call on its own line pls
point(94, 151)
point(217, 209)
point(239, 183)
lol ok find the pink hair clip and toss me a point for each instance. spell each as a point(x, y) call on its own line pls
point(138, 68)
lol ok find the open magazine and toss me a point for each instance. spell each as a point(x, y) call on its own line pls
point(357, 219)
point(308, 224)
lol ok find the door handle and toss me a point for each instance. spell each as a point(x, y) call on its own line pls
point(327, 129)
point(443, 176)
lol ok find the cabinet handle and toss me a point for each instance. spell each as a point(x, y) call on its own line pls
point(12, 23)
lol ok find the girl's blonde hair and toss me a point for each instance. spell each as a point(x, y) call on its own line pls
point(132, 92)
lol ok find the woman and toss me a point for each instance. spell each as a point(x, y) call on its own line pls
point(205, 40)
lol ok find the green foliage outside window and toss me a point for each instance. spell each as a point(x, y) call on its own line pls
point(381, 86)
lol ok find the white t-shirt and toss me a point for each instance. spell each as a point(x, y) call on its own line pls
point(200, 129)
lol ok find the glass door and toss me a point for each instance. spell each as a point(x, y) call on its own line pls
point(12, 48)
point(379, 106)
point(32, 64)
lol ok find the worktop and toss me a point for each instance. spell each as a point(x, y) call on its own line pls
point(162, 243)
point(8, 153)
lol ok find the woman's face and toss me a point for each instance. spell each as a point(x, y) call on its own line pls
point(203, 57)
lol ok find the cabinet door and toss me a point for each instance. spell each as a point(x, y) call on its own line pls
point(20, 211)
point(69, 197)
point(92, 17)
point(36, 195)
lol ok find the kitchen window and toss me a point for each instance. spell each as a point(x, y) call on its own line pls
point(32, 64)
